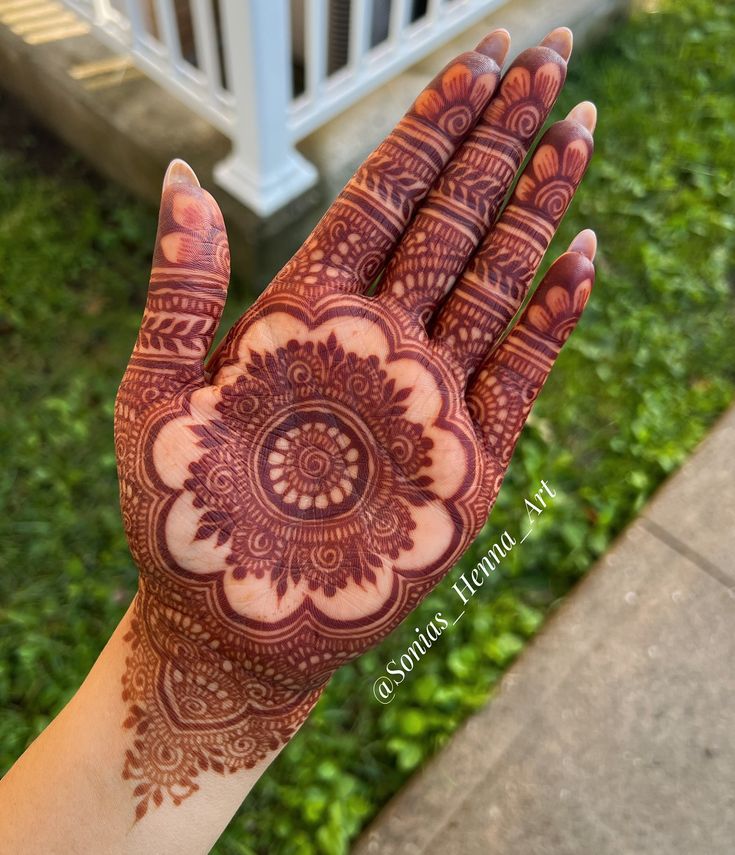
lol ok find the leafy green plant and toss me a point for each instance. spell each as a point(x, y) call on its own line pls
point(650, 367)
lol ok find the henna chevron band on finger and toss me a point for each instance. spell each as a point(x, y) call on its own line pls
point(465, 200)
point(494, 285)
point(503, 391)
point(353, 240)
point(188, 284)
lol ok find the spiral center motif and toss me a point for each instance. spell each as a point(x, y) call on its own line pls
point(324, 474)
point(313, 465)
point(524, 117)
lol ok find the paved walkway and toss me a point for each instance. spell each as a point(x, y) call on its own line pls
point(614, 733)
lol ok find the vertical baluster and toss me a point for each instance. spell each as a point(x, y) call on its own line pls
point(315, 45)
point(400, 18)
point(361, 18)
point(137, 22)
point(433, 9)
point(264, 170)
point(169, 30)
point(205, 42)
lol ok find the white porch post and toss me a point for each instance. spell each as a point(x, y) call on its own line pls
point(264, 170)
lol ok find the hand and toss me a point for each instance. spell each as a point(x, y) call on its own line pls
point(292, 501)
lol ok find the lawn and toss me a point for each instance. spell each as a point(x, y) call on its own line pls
point(648, 371)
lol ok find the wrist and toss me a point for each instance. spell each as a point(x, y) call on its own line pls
point(198, 704)
point(69, 792)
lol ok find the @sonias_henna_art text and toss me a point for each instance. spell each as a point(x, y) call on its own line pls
point(291, 497)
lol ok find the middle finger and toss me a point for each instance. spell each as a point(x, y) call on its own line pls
point(466, 197)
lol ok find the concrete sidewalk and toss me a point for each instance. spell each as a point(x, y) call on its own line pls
point(614, 733)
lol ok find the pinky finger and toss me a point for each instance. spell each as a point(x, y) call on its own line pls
point(504, 389)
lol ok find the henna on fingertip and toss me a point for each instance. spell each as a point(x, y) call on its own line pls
point(495, 282)
point(502, 392)
point(466, 197)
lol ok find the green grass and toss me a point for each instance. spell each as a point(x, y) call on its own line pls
point(651, 366)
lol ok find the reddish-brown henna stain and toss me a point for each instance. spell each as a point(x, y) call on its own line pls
point(497, 278)
point(289, 506)
point(465, 200)
point(328, 441)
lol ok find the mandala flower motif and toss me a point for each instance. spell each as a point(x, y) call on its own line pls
point(557, 315)
point(524, 98)
point(455, 99)
point(324, 492)
point(550, 185)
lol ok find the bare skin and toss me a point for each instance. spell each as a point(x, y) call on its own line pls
point(292, 497)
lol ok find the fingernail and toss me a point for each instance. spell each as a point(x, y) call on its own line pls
point(586, 114)
point(586, 243)
point(495, 45)
point(561, 41)
point(179, 172)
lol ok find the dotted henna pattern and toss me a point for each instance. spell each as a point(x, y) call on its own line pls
point(290, 503)
point(330, 487)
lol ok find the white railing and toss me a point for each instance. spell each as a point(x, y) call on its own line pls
point(268, 72)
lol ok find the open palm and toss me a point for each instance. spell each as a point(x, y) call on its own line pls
point(291, 501)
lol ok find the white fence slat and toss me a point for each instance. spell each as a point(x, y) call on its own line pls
point(316, 45)
point(400, 17)
point(135, 16)
point(434, 7)
point(360, 24)
point(205, 43)
point(168, 30)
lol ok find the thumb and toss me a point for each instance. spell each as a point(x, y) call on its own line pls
point(189, 277)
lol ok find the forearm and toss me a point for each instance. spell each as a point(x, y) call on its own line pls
point(67, 794)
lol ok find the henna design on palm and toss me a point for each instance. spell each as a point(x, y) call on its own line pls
point(292, 501)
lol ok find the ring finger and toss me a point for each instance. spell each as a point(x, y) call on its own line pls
point(465, 199)
point(494, 284)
